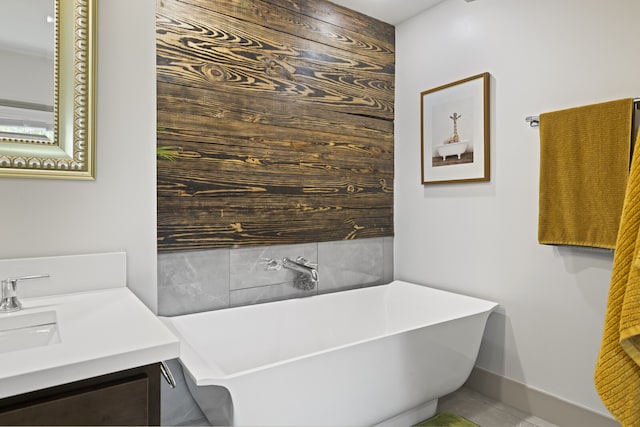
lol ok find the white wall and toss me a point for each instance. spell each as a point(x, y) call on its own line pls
point(117, 212)
point(481, 238)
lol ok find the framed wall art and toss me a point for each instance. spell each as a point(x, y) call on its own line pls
point(454, 127)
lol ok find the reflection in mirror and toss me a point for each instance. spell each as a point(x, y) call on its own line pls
point(27, 27)
point(27, 44)
point(26, 122)
point(46, 89)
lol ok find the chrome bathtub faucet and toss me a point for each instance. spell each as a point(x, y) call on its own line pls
point(307, 277)
point(307, 274)
point(9, 301)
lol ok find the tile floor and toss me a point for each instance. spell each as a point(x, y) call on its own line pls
point(487, 412)
point(475, 407)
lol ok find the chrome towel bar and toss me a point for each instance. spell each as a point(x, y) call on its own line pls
point(534, 121)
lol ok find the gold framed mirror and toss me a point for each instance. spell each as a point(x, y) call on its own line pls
point(58, 140)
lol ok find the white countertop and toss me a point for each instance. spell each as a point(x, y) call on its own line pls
point(101, 331)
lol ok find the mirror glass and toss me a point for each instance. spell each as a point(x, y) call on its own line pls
point(27, 43)
point(46, 88)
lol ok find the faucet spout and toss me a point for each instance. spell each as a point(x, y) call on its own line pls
point(301, 268)
point(9, 295)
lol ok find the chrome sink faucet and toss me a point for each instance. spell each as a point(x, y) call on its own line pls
point(9, 301)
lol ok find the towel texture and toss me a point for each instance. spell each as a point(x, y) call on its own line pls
point(584, 166)
point(617, 375)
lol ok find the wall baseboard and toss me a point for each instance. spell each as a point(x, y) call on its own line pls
point(535, 402)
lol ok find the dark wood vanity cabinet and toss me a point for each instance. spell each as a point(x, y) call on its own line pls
point(130, 397)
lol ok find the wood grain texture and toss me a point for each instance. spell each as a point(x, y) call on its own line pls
point(353, 34)
point(283, 114)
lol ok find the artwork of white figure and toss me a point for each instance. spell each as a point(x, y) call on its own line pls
point(455, 137)
point(452, 150)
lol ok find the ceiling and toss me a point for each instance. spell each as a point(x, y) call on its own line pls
point(390, 11)
point(24, 27)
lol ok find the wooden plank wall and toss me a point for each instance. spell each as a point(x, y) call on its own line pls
point(283, 111)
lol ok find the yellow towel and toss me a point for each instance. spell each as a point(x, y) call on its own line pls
point(584, 165)
point(617, 375)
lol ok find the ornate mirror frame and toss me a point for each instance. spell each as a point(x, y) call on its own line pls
point(71, 154)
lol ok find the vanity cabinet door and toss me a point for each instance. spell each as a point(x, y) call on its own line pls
point(110, 400)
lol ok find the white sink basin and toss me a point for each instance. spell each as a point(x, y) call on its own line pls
point(22, 330)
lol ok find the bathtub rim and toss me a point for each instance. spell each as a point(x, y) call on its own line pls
point(204, 373)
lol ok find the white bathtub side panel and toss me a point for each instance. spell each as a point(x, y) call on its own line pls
point(215, 402)
point(363, 384)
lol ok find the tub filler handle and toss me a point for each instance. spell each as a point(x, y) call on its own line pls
point(166, 373)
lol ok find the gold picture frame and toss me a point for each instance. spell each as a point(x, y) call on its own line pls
point(71, 152)
point(455, 130)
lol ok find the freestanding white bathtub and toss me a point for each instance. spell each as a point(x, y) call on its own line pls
point(451, 149)
point(373, 356)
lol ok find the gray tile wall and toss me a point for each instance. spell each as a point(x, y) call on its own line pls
point(194, 281)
